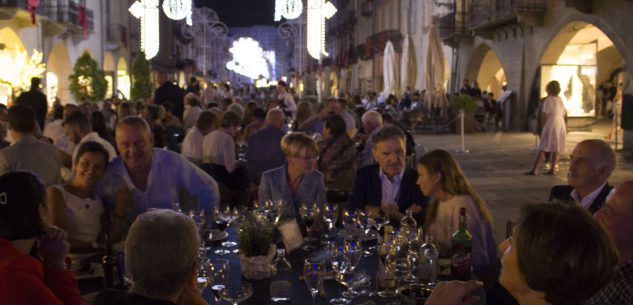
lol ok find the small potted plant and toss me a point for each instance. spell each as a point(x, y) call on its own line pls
point(256, 250)
point(466, 103)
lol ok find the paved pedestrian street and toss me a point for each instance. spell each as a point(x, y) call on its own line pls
point(497, 160)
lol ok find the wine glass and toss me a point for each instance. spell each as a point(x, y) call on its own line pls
point(353, 252)
point(236, 292)
point(221, 221)
point(231, 215)
point(275, 210)
point(308, 212)
point(202, 278)
point(313, 274)
point(218, 274)
point(330, 216)
point(350, 279)
point(198, 217)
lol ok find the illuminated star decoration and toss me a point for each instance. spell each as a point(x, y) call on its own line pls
point(289, 9)
point(318, 12)
point(147, 12)
point(248, 59)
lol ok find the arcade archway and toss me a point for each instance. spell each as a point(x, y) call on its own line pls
point(58, 72)
point(486, 68)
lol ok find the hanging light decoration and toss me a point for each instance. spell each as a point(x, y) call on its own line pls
point(147, 12)
point(318, 12)
point(248, 59)
point(177, 9)
point(289, 9)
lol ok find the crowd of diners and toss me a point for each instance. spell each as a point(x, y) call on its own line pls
point(120, 171)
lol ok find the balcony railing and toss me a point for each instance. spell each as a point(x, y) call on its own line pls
point(65, 12)
point(490, 13)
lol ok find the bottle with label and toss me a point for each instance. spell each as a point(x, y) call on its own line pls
point(427, 263)
point(461, 244)
point(108, 261)
point(408, 225)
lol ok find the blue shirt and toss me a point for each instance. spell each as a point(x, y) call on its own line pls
point(169, 173)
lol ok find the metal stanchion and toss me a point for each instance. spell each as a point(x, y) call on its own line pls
point(463, 149)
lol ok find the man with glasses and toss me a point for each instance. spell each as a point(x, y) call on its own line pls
point(145, 177)
point(617, 218)
point(592, 162)
point(389, 186)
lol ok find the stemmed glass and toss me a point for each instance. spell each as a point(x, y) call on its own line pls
point(308, 212)
point(387, 252)
point(330, 216)
point(202, 278)
point(314, 274)
point(218, 274)
point(231, 215)
point(275, 210)
point(222, 221)
point(236, 292)
point(353, 252)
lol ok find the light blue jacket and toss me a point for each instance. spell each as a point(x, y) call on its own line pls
point(274, 186)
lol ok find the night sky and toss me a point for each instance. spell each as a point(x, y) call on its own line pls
point(238, 13)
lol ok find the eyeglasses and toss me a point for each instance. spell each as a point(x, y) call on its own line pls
point(610, 212)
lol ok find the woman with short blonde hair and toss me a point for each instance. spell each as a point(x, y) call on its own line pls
point(297, 181)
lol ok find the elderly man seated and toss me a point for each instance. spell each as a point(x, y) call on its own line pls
point(388, 186)
point(617, 218)
point(148, 177)
point(372, 123)
point(157, 276)
point(592, 162)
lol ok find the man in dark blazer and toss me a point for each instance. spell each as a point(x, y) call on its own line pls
point(388, 186)
point(169, 92)
point(592, 162)
point(36, 100)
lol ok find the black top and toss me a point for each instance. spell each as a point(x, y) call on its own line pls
point(562, 193)
point(37, 101)
point(171, 93)
point(122, 297)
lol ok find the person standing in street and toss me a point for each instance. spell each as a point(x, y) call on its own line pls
point(36, 100)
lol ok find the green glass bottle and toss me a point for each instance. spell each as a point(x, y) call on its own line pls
point(461, 245)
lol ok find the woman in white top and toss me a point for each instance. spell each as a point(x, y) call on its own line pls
point(442, 179)
point(218, 153)
point(554, 134)
point(74, 206)
point(192, 144)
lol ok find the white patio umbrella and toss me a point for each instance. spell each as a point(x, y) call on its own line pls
point(389, 70)
point(435, 72)
point(408, 65)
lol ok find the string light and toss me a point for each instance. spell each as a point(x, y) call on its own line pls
point(318, 12)
point(289, 9)
point(177, 9)
point(147, 12)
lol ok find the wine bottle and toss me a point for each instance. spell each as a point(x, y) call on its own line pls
point(408, 225)
point(108, 261)
point(461, 245)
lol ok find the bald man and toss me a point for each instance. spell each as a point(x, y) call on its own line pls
point(592, 163)
point(617, 217)
point(264, 146)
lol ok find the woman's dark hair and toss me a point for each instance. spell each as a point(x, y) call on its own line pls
point(92, 147)
point(21, 195)
point(563, 252)
point(336, 125)
point(98, 123)
point(206, 119)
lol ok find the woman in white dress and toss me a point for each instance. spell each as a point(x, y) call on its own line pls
point(554, 134)
point(442, 179)
point(74, 206)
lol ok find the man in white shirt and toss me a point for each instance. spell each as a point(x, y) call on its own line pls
point(592, 162)
point(78, 130)
point(145, 177)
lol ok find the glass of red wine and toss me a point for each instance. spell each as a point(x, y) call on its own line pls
point(221, 220)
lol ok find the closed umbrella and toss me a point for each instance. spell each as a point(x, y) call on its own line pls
point(435, 72)
point(389, 70)
point(408, 64)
